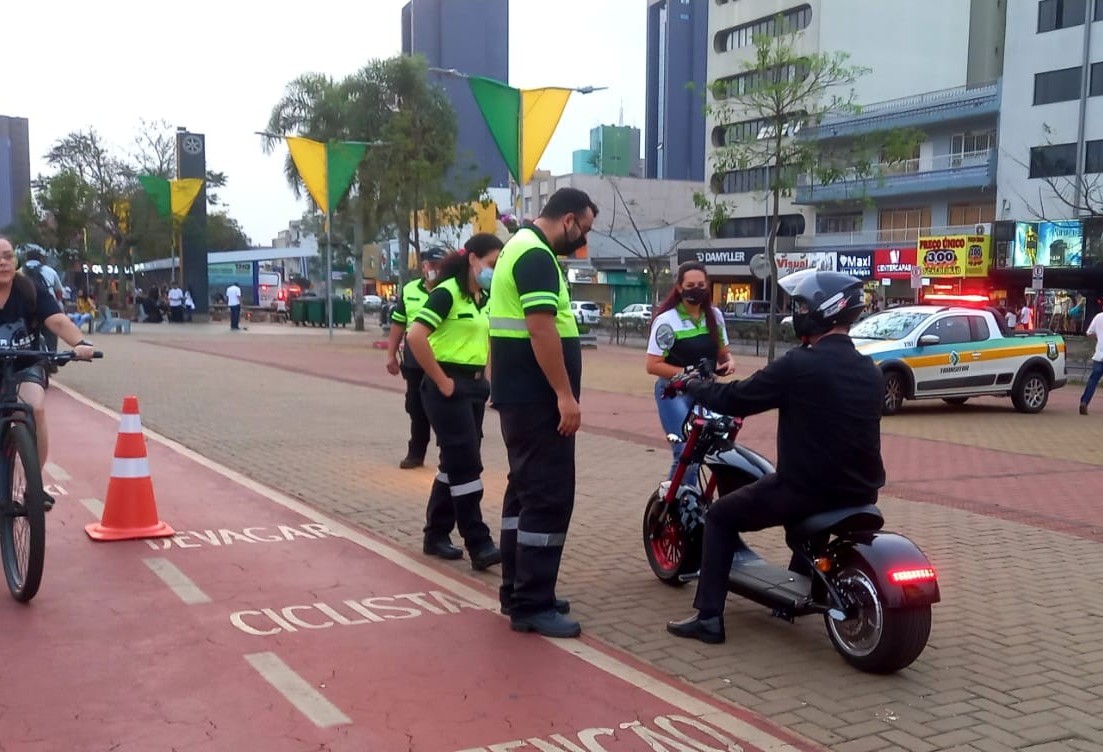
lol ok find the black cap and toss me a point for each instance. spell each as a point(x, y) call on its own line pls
point(434, 253)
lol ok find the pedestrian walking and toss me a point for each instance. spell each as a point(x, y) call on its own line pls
point(413, 297)
point(189, 305)
point(233, 301)
point(1095, 329)
point(537, 362)
point(450, 339)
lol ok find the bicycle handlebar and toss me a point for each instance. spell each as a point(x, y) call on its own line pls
point(50, 355)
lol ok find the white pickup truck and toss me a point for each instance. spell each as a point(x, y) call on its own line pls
point(951, 353)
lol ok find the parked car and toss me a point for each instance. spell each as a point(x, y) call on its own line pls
point(750, 310)
point(586, 312)
point(635, 312)
point(372, 302)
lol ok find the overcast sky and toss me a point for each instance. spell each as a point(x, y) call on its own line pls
point(219, 67)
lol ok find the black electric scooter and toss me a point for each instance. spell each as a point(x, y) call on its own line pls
point(874, 588)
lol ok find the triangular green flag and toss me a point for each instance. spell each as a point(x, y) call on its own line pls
point(160, 193)
point(342, 159)
point(501, 109)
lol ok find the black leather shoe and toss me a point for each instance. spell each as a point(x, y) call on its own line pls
point(562, 606)
point(709, 630)
point(409, 462)
point(548, 623)
point(47, 501)
point(485, 557)
point(442, 548)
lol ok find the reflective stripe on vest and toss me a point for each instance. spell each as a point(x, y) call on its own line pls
point(507, 306)
point(463, 336)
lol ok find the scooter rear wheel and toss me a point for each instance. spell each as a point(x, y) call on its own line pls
point(877, 639)
point(671, 550)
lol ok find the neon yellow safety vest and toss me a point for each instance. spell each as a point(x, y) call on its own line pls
point(507, 306)
point(463, 336)
point(414, 296)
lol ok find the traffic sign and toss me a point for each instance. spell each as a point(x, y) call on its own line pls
point(1037, 276)
point(917, 277)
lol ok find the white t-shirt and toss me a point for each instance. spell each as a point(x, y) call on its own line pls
point(1026, 316)
point(1011, 319)
point(176, 297)
point(1096, 328)
point(233, 295)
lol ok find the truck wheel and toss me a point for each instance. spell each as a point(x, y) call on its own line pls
point(1031, 392)
point(895, 388)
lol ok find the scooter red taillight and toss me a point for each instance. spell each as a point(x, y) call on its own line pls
point(912, 575)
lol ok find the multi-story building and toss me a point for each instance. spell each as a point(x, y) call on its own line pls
point(15, 167)
point(677, 38)
point(639, 224)
point(614, 151)
point(942, 83)
point(1050, 181)
point(471, 36)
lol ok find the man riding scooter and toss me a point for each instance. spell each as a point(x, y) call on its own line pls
point(828, 398)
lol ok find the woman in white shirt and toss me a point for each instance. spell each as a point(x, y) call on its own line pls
point(687, 329)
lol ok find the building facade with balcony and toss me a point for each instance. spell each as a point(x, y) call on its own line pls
point(961, 47)
point(1050, 181)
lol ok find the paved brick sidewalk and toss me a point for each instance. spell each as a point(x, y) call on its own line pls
point(1015, 660)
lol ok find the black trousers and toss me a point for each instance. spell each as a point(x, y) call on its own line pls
point(767, 502)
point(458, 488)
point(536, 511)
point(235, 317)
point(419, 421)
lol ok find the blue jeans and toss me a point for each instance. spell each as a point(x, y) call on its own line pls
point(672, 417)
point(1093, 382)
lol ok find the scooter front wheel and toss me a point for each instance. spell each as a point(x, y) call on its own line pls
point(672, 551)
point(876, 639)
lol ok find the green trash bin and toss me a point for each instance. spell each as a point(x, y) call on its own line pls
point(298, 312)
point(316, 311)
point(342, 312)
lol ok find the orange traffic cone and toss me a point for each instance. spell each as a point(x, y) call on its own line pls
point(130, 511)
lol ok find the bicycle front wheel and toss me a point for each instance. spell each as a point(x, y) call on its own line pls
point(23, 522)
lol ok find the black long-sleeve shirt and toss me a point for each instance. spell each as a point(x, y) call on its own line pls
point(828, 399)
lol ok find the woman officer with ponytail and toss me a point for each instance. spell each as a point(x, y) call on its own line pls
point(450, 339)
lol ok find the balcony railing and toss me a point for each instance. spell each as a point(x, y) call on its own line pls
point(931, 107)
point(881, 238)
point(947, 172)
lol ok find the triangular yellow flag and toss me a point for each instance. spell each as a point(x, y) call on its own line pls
point(310, 160)
point(540, 113)
point(183, 192)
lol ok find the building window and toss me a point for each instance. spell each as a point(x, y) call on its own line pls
point(789, 226)
point(970, 148)
point(963, 215)
point(791, 21)
point(754, 80)
point(838, 223)
point(1053, 160)
point(1057, 86)
point(753, 130)
point(1060, 14)
point(747, 181)
point(1093, 157)
point(904, 225)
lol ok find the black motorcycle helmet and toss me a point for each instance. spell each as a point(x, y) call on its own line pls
point(823, 300)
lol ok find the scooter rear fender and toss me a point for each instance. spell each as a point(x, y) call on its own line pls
point(882, 554)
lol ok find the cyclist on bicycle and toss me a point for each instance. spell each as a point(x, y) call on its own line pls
point(26, 309)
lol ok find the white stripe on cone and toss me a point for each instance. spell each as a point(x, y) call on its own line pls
point(129, 423)
point(130, 467)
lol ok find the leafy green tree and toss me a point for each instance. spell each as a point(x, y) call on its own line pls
point(777, 94)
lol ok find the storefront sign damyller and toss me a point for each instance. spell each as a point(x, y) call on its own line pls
point(954, 255)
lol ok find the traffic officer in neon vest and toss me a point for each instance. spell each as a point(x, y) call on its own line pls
point(413, 297)
point(449, 338)
point(537, 359)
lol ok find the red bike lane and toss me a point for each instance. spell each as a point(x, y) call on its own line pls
point(263, 624)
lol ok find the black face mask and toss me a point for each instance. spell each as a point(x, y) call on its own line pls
point(695, 295)
point(571, 247)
